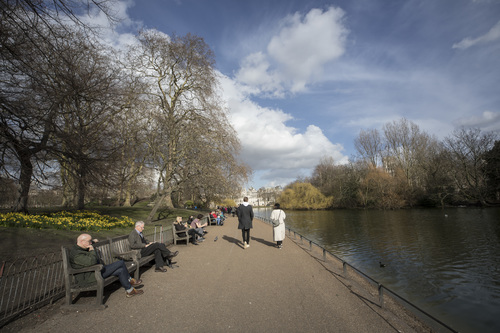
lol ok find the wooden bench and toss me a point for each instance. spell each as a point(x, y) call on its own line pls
point(178, 235)
point(110, 250)
point(120, 249)
point(211, 220)
point(72, 288)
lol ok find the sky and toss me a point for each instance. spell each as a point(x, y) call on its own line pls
point(302, 78)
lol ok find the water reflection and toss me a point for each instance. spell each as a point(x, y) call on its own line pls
point(445, 261)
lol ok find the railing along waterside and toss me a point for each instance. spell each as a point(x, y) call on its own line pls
point(430, 320)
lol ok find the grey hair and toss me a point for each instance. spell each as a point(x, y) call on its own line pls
point(138, 223)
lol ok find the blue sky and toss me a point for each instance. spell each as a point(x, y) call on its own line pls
point(302, 77)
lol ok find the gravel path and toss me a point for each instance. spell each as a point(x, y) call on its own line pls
point(221, 287)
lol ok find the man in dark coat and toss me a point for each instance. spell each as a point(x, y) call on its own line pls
point(245, 219)
point(138, 241)
point(84, 255)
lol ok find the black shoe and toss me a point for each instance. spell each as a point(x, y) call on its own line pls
point(161, 270)
point(173, 254)
point(195, 244)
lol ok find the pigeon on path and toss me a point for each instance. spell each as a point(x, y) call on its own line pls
point(216, 238)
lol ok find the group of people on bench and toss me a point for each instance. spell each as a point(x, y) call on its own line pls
point(83, 254)
point(217, 216)
point(194, 228)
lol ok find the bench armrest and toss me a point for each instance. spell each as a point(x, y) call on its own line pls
point(177, 232)
point(93, 268)
point(133, 255)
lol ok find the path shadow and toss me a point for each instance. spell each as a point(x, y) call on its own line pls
point(232, 240)
point(263, 241)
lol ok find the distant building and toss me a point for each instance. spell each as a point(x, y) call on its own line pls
point(261, 197)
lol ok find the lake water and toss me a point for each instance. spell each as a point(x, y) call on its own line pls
point(447, 262)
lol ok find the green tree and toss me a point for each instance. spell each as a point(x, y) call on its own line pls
point(304, 196)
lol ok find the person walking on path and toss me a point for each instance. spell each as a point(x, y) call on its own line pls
point(279, 230)
point(245, 219)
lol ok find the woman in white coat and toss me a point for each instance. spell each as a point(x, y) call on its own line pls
point(279, 230)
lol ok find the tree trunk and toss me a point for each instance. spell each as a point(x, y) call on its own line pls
point(24, 182)
point(164, 198)
point(155, 208)
point(128, 196)
point(80, 204)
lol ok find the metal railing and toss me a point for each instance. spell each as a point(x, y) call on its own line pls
point(28, 284)
point(384, 293)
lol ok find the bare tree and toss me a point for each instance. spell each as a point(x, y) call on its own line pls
point(91, 96)
point(492, 170)
point(370, 146)
point(184, 106)
point(467, 150)
point(405, 149)
point(29, 33)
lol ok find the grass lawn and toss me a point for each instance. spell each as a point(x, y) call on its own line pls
point(16, 243)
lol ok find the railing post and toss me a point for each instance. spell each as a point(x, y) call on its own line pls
point(381, 295)
point(344, 267)
point(310, 245)
point(324, 254)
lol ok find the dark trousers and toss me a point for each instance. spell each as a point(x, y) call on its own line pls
point(161, 253)
point(245, 233)
point(192, 235)
point(118, 269)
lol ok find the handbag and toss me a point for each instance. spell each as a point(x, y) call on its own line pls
point(276, 222)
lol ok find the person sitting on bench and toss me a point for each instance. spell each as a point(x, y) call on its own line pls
point(162, 254)
point(181, 226)
point(83, 255)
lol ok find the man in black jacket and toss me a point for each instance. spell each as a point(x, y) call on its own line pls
point(245, 219)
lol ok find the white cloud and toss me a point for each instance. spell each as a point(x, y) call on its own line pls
point(492, 35)
point(297, 55)
point(275, 151)
point(487, 121)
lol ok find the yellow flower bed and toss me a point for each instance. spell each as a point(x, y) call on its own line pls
point(78, 220)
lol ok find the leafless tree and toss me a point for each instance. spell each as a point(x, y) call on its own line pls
point(188, 126)
point(466, 150)
point(91, 100)
point(370, 146)
point(29, 34)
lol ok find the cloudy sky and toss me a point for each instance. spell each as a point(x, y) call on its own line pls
point(303, 77)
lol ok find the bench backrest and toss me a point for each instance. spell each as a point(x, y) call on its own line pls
point(104, 249)
point(120, 244)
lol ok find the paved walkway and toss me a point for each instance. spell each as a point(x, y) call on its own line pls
point(221, 287)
